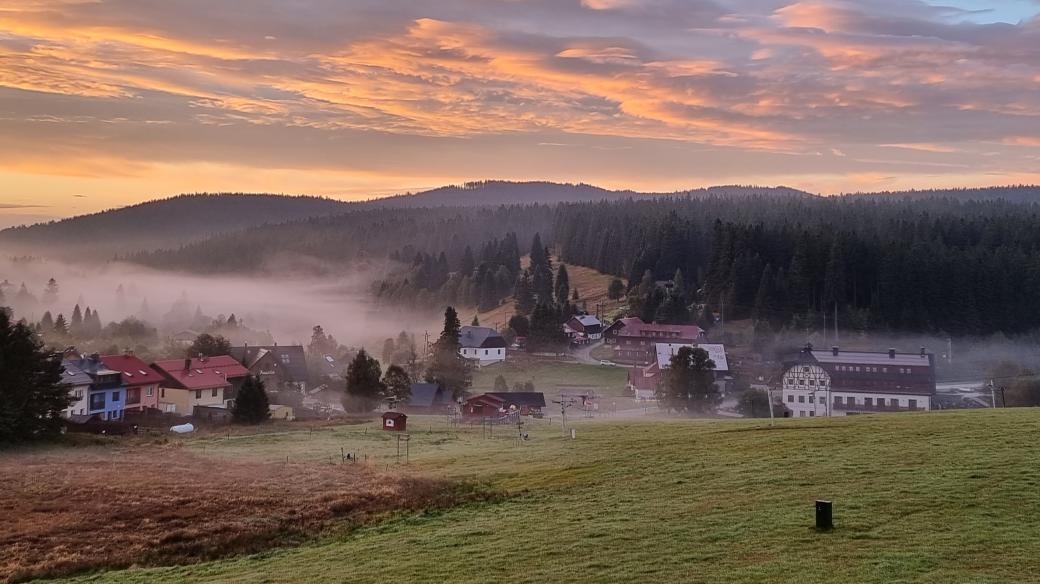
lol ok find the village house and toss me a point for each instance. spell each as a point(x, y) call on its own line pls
point(583, 328)
point(139, 379)
point(78, 384)
point(635, 342)
point(278, 366)
point(482, 344)
point(644, 381)
point(427, 398)
point(498, 404)
point(840, 383)
point(611, 332)
point(204, 381)
point(106, 395)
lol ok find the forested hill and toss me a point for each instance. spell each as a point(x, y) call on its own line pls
point(1013, 194)
point(937, 265)
point(512, 193)
point(162, 223)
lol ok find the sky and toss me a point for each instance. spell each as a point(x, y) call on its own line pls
point(105, 103)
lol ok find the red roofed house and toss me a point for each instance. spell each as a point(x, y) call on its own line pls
point(141, 381)
point(636, 341)
point(205, 381)
point(643, 382)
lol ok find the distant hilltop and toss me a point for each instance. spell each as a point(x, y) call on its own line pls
point(183, 219)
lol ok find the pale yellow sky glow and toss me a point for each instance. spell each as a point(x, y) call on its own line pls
point(110, 102)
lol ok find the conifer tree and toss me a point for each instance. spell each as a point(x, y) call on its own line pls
point(61, 326)
point(252, 405)
point(76, 322)
point(31, 395)
point(365, 387)
point(47, 322)
point(563, 285)
point(447, 366)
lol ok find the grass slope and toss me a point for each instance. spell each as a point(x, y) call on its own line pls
point(549, 376)
point(591, 285)
point(935, 498)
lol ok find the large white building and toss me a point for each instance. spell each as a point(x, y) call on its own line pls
point(839, 383)
point(482, 344)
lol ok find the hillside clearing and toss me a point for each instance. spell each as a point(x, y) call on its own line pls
point(940, 497)
point(591, 285)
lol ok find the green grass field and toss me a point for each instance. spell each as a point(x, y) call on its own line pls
point(549, 375)
point(937, 498)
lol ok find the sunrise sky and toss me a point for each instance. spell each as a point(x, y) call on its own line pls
point(110, 102)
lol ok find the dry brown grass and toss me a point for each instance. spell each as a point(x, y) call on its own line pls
point(591, 285)
point(72, 510)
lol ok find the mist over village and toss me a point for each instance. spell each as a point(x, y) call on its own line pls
point(519, 291)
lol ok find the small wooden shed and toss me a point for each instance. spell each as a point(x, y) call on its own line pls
point(395, 421)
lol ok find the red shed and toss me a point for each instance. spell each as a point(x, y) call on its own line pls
point(395, 421)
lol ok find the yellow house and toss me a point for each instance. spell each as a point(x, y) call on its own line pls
point(206, 381)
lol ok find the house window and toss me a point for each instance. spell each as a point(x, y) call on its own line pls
point(162, 392)
point(913, 404)
point(149, 391)
point(214, 392)
point(893, 402)
point(133, 395)
point(812, 382)
point(790, 398)
point(801, 399)
point(115, 397)
point(868, 401)
point(285, 359)
point(837, 400)
point(198, 394)
point(97, 401)
point(812, 414)
point(801, 382)
point(485, 352)
point(801, 414)
point(812, 398)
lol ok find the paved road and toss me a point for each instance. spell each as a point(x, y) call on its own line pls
point(583, 354)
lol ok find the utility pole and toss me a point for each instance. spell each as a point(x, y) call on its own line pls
point(722, 318)
point(992, 394)
point(769, 398)
point(836, 340)
point(949, 349)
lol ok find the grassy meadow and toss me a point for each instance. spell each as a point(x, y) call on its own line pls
point(938, 497)
point(548, 375)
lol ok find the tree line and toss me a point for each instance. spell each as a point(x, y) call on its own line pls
point(934, 265)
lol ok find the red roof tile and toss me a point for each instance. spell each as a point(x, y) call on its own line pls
point(134, 370)
point(204, 373)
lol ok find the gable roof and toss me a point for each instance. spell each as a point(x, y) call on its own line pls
point(204, 373)
point(73, 375)
point(134, 371)
point(642, 329)
point(425, 395)
point(289, 361)
point(531, 399)
point(716, 351)
point(481, 337)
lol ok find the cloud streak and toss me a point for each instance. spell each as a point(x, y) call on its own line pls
point(116, 88)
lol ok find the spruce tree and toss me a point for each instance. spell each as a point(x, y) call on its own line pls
point(76, 322)
point(447, 367)
point(365, 387)
point(61, 327)
point(252, 405)
point(31, 395)
point(563, 285)
point(616, 290)
point(524, 294)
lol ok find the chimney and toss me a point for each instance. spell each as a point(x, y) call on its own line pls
point(187, 364)
point(834, 350)
point(891, 353)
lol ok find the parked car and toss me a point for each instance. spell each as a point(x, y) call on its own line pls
point(608, 363)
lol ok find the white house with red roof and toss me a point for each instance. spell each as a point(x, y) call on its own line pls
point(141, 381)
point(204, 381)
